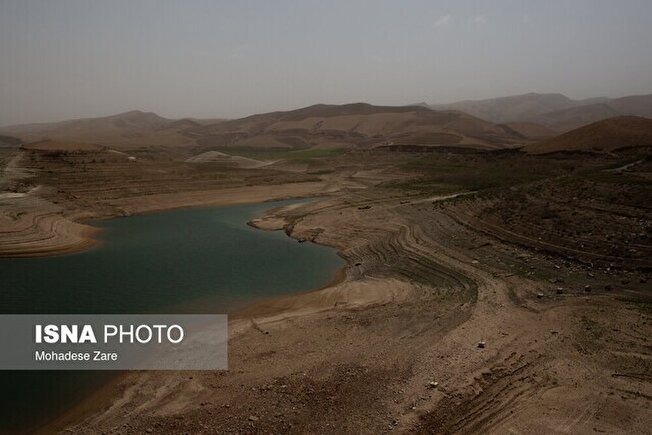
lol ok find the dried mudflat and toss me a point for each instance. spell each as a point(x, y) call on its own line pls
point(563, 310)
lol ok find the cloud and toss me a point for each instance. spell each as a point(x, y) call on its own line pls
point(442, 21)
point(479, 19)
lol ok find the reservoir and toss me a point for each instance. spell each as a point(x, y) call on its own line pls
point(201, 260)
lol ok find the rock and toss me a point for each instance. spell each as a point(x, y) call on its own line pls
point(433, 384)
point(587, 288)
point(539, 295)
point(560, 290)
point(253, 418)
point(481, 345)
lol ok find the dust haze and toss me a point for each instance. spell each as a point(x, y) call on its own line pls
point(73, 59)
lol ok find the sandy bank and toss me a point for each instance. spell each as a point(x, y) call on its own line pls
point(33, 226)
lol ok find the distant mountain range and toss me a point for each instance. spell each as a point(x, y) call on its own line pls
point(554, 111)
point(485, 124)
point(360, 125)
point(347, 125)
point(128, 129)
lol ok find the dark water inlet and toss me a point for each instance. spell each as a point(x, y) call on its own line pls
point(203, 260)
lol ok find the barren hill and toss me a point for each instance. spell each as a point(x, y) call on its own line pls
point(607, 135)
point(636, 105)
point(50, 145)
point(360, 125)
point(568, 119)
point(575, 117)
point(324, 126)
point(529, 130)
point(512, 108)
point(553, 111)
point(9, 142)
point(129, 129)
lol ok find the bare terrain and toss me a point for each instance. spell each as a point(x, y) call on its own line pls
point(553, 111)
point(360, 125)
point(602, 136)
point(487, 289)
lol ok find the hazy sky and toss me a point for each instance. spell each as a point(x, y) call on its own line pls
point(64, 59)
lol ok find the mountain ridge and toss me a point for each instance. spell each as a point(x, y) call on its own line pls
point(553, 110)
point(320, 125)
point(602, 136)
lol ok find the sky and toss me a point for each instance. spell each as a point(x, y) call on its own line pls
point(213, 59)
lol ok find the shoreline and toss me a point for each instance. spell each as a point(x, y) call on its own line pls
point(87, 242)
point(84, 233)
point(241, 320)
point(264, 309)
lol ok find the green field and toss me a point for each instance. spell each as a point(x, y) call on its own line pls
point(442, 174)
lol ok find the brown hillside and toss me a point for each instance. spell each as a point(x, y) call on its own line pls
point(554, 111)
point(360, 125)
point(9, 141)
point(50, 145)
point(512, 108)
point(326, 126)
point(636, 105)
point(607, 135)
point(575, 117)
point(529, 130)
point(129, 129)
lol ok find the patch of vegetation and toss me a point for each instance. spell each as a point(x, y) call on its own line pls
point(425, 185)
point(450, 173)
point(299, 155)
point(617, 178)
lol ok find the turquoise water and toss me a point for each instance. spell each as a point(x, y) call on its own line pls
point(204, 260)
point(163, 262)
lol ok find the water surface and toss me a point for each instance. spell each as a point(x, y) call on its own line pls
point(189, 260)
